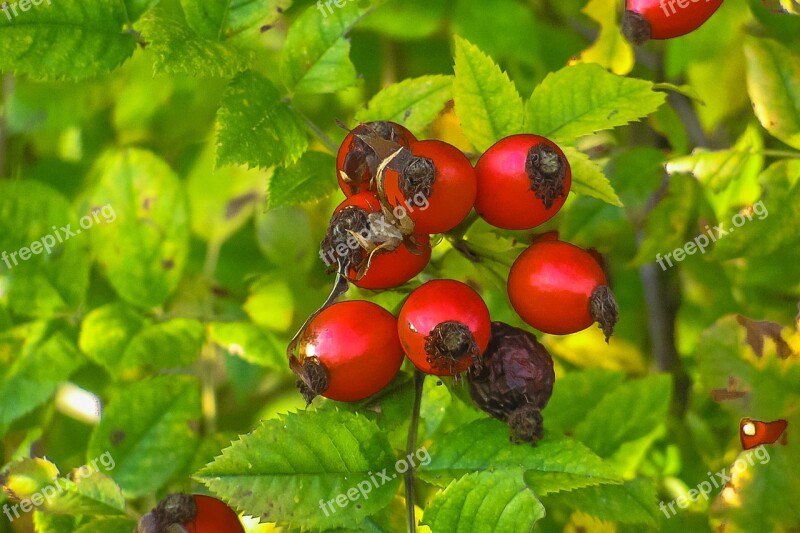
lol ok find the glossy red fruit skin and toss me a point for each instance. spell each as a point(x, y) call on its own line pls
point(388, 269)
point(440, 301)
point(213, 516)
point(667, 19)
point(453, 191)
point(357, 343)
point(550, 286)
point(361, 180)
point(505, 198)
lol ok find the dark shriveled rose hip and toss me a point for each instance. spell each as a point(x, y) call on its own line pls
point(515, 382)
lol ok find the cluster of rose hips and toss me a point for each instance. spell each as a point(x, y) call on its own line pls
point(400, 191)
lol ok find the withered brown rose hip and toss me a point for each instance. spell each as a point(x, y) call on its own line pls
point(515, 382)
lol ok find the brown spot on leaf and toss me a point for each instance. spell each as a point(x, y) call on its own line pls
point(117, 437)
point(167, 264)
point(759, 330)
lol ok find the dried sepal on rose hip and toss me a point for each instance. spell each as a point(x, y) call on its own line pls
point(357, 162)
point(185, 513)
point(523, 181)
point(559, 288)
point(515, 382)
point(444, 327)
point(373, 251)
point(659, 19)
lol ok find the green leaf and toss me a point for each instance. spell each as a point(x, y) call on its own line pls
point(286, 469)
point(633, 502)
point(486, 100)
point(588, 178)
point(414, 103)
point(179, 50)
point(143, 249)
point(218, 20)
point(223, 199)
point(307, 180)
point(255, 128)
point(627, 413)
point(35, 361)
point(316, 55)
point(87, 491)
point(137, 8)
point(88, 38)
point(485, 501)
point(150, 430)
point(773, 81)
point(583, 99)
point(28, 476)
point(33, 217)
point(53, 523)
point(171, 344)
point(107, 525)
point(106, 333)
point(576, 394)
point(250, 342)
point(717, 169)
point(769, 225)
point(455, 455)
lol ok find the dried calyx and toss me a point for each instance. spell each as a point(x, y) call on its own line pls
point(604, 309)
point(343, 226)
point(169, 515)
point(635, 28)
point(547, 171)
point(417, 177)
point(449, 343)
point(361, 160)
point(516, 381)
point(312, 379)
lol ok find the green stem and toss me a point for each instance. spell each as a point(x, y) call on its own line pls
point(411, 448)
point(477, 254)
point(319, 134)
point(778, 153)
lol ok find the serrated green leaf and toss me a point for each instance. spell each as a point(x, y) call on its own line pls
point(311, 178)
point(588, 178)
point(106, 333)
point(718, 168)
point(27, 477)
point(414, 103)
point(455, 455)
point(218, 20)
point(773, 82)
point(179, 50)
point(143, 250)
point(72, 40)
point(137, 8)
point(152, 442)
point(316, 55)
point(486, 100)
point(250, 342)
point(36, 360)
point(485, 502)
point(89, 491)
point(583, 99)
point(633, 502)
point(55, 280)
point(255, 128)
point(287, 469)
point(630, 411)
point(576, 394)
